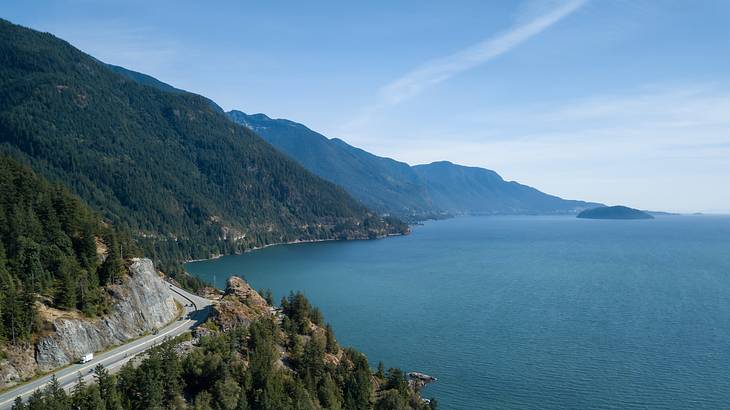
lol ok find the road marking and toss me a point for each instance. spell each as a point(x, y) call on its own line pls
point(103, 359)
point(100, 360)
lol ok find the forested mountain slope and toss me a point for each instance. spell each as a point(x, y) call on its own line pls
point(166, 166)
point(49, 247)
point(459, 189)
point(383, 184)
point(148, 80)
point(387, 185)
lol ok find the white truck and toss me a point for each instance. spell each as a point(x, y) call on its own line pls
point(86, 358)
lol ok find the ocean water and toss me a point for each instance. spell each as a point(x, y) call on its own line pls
point(527, 312)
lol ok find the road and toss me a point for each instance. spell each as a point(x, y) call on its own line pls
point(197, 310)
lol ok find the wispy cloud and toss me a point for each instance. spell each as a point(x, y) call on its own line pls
point(441, 69)
point(656, 147)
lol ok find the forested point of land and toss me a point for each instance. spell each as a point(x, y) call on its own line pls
point(240, 369)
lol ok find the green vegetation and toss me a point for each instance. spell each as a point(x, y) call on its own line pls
point(380, 183)
point(299, 313)
point(136, 170)
point(48, 248)
point(168, 167)
point(413, 192)
point(240, 369)
point(614, 212)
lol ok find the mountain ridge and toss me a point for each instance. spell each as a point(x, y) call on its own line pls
point(408, 191)
point(390, 186)
point(387, 185)
point(167, 166)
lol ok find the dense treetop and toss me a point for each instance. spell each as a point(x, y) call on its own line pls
point(264, 366)
point(49, 247)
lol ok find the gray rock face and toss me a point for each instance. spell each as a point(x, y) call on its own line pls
point(18, 365)
point(141, 304)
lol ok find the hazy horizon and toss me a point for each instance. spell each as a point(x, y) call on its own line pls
point(621, 103)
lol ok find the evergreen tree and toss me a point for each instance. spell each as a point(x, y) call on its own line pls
point(227, 393)
point(392, 400)
point(55, 396)
point(79, 394)
point(107, 388)
point(381, 371)
point(311, 365)
point(328, 393)
point(396, 380)
point(18, 404)
point(36, 401)
point(331, 345)
point(203, 401)
point(112, 268)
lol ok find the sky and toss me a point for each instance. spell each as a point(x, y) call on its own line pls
point(621, 102)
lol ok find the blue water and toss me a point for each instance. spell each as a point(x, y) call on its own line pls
point(527, 312)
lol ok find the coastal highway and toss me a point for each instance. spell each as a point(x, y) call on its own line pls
point(196, 312)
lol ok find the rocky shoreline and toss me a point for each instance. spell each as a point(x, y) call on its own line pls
point(296, 242)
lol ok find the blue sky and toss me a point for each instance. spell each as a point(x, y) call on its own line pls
point(623, 102)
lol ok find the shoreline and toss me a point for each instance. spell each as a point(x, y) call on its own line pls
point(295, 242)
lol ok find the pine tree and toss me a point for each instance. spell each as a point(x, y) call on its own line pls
point(331, 345)
point(112, 269)
point(55, 396)
point(79, 394)
point(66, 296)
point(18, 404)
point(107, 388)
point(328, 393)
point(31, 267)
point(36, 401)
point(26, 311)
point(381, 371)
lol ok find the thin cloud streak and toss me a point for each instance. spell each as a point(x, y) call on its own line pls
point(441, 69)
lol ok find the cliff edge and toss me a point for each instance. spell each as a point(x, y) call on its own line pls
point(141, 303)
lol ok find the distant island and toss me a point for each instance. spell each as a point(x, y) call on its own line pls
point(614, 212)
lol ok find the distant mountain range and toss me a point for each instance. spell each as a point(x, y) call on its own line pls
point(381, 183)
point(413, 192)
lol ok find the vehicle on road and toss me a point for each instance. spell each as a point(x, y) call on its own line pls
point(86, 358)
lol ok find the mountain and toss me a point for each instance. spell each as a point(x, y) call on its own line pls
point(50, 244)
point(380, 183)
point(148, 80)
point(614, 212)
point(168, 167)
point(394, 187)
point(458, 189)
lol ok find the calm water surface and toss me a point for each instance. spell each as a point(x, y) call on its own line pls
point(527, 312)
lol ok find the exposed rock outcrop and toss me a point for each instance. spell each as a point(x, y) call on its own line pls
point(239, 306)
point(17, 365)
point(140, 304)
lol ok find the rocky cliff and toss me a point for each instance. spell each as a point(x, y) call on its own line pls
point(140, 304)
point(239, 306)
